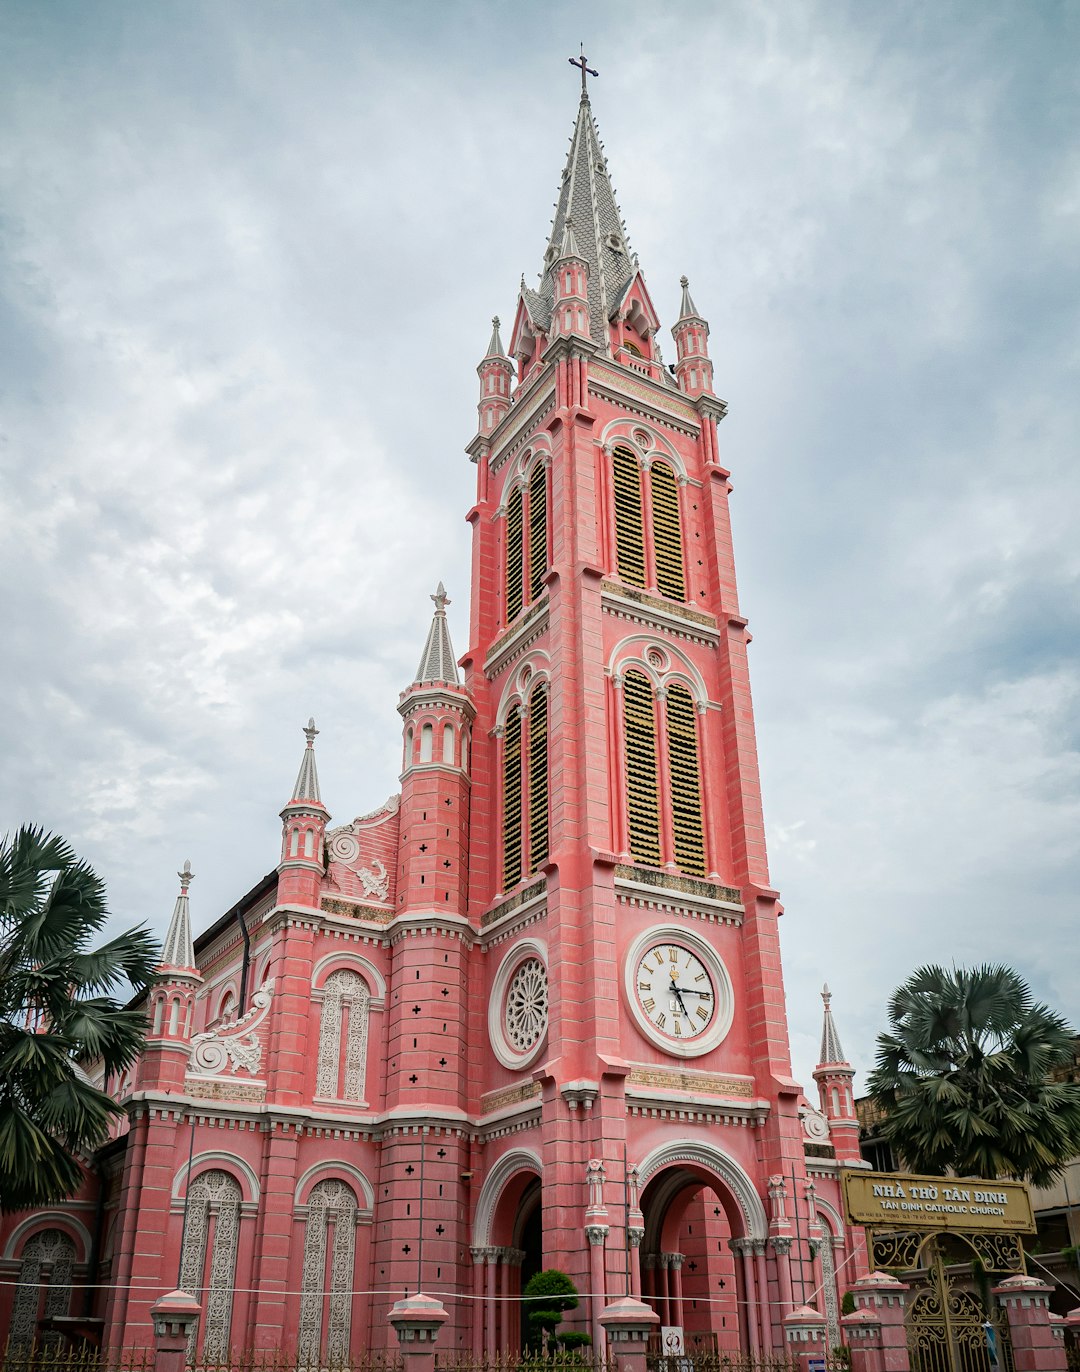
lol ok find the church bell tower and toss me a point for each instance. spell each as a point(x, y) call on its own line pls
point(637, 1048)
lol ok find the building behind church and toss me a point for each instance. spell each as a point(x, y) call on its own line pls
point(529, 1012)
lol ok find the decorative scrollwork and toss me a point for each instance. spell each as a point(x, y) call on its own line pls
point(891, 1248)
point(527, 1005)
point(997, 1252)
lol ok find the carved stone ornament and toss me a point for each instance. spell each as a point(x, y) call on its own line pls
point(344, 847)
point(233, 1047)
point(815, 1125)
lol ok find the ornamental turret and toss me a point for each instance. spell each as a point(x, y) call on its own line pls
point(834, 1076)
point(570, 278)
point(496, 374)
point(163, 1064)
point(303, 827)
point(693, 370)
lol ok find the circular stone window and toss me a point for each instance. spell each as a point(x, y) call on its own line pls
point(518, 1009)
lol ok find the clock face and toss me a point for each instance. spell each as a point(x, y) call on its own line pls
point(675, 991)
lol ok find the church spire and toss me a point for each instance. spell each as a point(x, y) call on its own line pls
point(587, 200)
point(307, 781)
point(831, 1051)
point(179, 951)
point(437, 662)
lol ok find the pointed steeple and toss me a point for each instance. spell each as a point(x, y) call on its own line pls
point(495, 347)
point(831, 1051)
point(687, 308)
point(307, 781)
point(179, 951)
point(587, 197)
point(437, 662)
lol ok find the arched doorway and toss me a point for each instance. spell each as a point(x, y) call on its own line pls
point(702, 1254)
point(508, 1248)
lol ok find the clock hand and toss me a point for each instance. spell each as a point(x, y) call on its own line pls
point(690, 991)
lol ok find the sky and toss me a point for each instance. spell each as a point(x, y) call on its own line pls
point(249, 254)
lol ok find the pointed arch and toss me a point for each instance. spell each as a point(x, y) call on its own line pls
point(629, 517)
point(515, 554)
point(684, 771)
point(512, 800)
point(538, 776)
point(538, 530)
point(641, 775)
point(667, 532)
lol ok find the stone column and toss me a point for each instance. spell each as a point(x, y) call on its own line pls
point(883, 1297)
point(597, 1236)
point(744, 1249)
point(763, 1311)
point(627, 1325)
point(675, 1262)
point(478, 1301)
point(1036, 1346)
point(862, 1332)
point(491, 1305)
point(417, 1320)
point(804, 1336)
point(174, 1316)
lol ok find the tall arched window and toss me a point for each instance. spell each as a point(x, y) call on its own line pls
point(538, 777)
point(329, 1260)
point(629, 524)
point(684, 770)
point(211, 1276)
point(448, 743)
point(667, 532)
point(51, 1248)
point(642, 783)
point(515, 554)
point(343, 1035)
point(512, 800)
point(526, 542)
point(426, 743)
point(538, 538)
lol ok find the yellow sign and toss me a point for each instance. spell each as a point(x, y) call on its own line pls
point(877, 1199)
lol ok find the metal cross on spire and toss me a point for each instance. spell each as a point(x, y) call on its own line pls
point(586, 71)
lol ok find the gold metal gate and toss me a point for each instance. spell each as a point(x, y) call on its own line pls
point(947, 1327)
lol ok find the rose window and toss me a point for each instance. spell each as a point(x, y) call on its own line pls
point(527, 1005)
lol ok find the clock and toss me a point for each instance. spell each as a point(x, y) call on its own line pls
point(518, 1005)
point(678, 990)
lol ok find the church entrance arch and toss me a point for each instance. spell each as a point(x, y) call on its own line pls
point(705, 1228)
point(508, 1249)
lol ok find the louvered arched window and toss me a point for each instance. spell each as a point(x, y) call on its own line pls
point(684, 769)
point(526, 542)
point(642, 780)
point(538, 777)
point(512, 801)
point(538, 537)
point(667, 532)
point(629, 524)
point(515, 555)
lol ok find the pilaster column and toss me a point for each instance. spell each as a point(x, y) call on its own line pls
point(597, 1236)
point(635, 1234)
point(781, 1247)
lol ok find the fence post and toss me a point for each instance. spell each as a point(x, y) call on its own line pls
point(174, 1316)
point(1036, 1345)
point(417, 1320)
point(862, 1329)
point(628, 1323)
point(804, 1333)
point(884, 1297)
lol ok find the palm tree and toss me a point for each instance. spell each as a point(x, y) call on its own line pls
point(56, 1012)
point(965, 1077)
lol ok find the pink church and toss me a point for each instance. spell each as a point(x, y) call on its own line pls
point(529, 1012)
